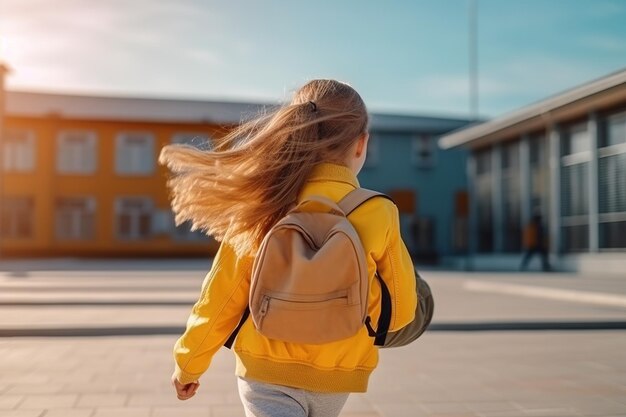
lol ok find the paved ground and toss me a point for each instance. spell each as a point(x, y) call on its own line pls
point(446, 373)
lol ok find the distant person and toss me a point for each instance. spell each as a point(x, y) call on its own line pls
point(534, 242)
point(308, 151)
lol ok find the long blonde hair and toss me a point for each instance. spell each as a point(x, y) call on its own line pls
point(237, 191)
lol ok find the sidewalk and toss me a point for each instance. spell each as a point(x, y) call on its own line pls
point(163, 298)
point(493, 373)
point(446, 374)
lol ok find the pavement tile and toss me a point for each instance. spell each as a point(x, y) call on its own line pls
point(358, 404)
point(132, 388)
point(593, 406)
point(10, 401)
point(77, 377)
point(358, 414)
point(563, 412)
point(19, 376)
point(23, 388)
point(552, 412)
point(490, 406)
point(22, 413)
point(122, 412)
point(102, 400)
point(49, 401)
point(169, 399)
point(227, 411)
point(70, 412)
point(453, 415)
point(89, 388)
point(444, 407)
point(399, 409)
point(181, 412)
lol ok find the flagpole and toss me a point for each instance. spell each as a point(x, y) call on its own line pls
point(3, 71)
point(473, 58)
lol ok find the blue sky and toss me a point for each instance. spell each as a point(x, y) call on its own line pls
point(402, 56)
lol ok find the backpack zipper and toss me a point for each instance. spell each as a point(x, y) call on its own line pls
point(300, 301)
point(264, 305)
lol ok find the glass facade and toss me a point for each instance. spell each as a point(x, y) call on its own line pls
point(584, 224)
point(575, 158)
point(539, 176)
point(484, 200)
point(511, 198)
point(612, 182)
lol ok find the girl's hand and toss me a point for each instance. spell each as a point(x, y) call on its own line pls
point(184, 391)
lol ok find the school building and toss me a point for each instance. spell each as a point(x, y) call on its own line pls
point(563, 158)
point(80, 176)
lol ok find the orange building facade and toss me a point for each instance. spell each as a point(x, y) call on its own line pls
point(80, 175)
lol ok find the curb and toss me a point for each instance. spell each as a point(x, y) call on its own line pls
point(435, 327)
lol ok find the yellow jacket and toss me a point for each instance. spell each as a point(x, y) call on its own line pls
point(342, 366)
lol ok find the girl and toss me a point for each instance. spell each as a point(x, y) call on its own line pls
point(315, 145)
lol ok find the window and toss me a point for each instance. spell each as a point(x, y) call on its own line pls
point(201, 141)
point(612, 183)
point(511, 198)
point(612, 190)
point(18, 150)
point(484, 203)
point(539, 185)
point(576, 238)
point(373, 151)
point(76, 152)
point(423, 151)
point(615, 129)
point(75, 218)
point(613, 235)
point(134, 217)
point(17, 219)
point(575, 188)
point(483, 162)
point(134, 153)
point(576, 140)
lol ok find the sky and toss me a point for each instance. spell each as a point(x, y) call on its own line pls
point(402, 56)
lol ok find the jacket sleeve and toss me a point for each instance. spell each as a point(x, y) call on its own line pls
point(214, 316)
point(396, 269)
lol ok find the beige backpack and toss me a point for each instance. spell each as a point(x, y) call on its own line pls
point(310, 280)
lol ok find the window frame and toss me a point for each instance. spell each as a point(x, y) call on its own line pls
point(417, 160)
point(89, 164)
point(10, 147)
point(148, 209)
point(608, 119)
point(11, 207)
point(86, 231)
point(120, 139)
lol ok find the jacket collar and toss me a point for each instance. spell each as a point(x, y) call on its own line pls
point(333, 172)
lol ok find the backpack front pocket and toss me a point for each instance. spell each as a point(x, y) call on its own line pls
point(306, 302)
point(312, 319)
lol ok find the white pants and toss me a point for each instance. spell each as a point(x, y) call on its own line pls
point(268, 400)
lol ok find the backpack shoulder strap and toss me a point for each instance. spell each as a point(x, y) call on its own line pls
point(355, 198)
point(348, 204)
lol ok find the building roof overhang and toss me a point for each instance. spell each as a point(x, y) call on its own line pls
point(84, 107)
point(163, 110)
point(575, 103)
